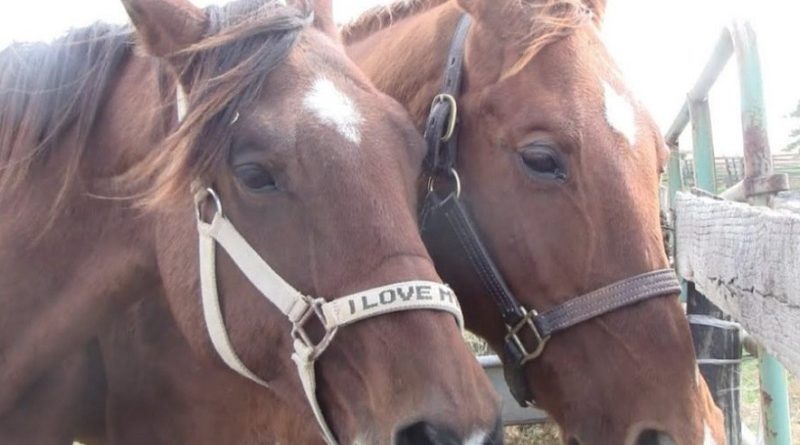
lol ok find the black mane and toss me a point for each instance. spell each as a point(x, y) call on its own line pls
point(47, 89)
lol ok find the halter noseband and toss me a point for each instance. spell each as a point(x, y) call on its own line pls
point(446, 223)
point(298, 308)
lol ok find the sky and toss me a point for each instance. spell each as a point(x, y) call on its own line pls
point(660, 47)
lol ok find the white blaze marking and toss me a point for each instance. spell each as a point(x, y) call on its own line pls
point(333, 107)
point(708, 438)
point(477, 438)
point(620, 114)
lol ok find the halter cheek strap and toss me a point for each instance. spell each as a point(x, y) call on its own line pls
point(181, 103)
point(298, 308)
point(457, 246)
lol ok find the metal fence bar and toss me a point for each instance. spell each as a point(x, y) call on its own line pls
point(675, 185)
point(712, 344)
point(757, 165)
point(513, 414)
point(703, 145)
point(712, 70)
point(674, 174)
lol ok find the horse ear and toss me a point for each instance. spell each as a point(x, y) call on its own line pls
point(470, 6)
point(598, 7)
point(323, 18)
point(166, 26)
point(485, 10)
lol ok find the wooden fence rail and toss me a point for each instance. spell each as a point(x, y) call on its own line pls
point(746, 260)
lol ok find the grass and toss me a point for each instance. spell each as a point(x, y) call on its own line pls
point(546, 434)
point(751, 399)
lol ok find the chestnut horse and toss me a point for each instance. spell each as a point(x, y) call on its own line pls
point(286, 165)
point(554, 177)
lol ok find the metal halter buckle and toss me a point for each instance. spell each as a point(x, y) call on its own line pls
point(203, 195)
point(452, 119)
point(512, 337)
point(453, 175)
point(299, 333)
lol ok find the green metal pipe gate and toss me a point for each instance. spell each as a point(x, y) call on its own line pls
point(758, 188)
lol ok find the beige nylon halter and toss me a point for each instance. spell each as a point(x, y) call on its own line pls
point(298, 308)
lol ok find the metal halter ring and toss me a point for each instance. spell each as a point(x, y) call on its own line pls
point(299, 333)
point(201, 197)
point(452, 118)
point(513, 336)
point(456, 178)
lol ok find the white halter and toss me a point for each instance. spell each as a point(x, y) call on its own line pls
point(298, 308)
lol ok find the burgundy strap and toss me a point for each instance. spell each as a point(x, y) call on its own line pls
point(607, 299)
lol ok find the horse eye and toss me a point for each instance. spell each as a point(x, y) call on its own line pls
point(255, 177)
point(544, 162)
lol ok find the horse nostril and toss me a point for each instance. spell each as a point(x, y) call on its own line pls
point(420, 433)
point(573, 441)
point(653, 437)
point(424, 433)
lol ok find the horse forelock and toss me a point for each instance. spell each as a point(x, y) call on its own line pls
point(51, 91)
point(532, 24)
point(536, 24)
point(246, 40)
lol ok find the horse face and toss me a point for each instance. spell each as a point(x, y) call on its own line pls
point(556, 133)
point(319, 176)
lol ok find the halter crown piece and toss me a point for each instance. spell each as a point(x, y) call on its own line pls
point(297, 307)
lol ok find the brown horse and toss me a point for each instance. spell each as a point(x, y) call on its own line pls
point(315, 171)
point(559, 167)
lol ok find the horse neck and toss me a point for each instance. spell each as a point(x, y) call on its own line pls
point(96, 254)
point(411, 59)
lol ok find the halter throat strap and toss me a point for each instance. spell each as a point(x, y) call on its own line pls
point(298, 308)
point(456, 246)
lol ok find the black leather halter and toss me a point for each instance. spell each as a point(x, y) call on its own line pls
point(460, 255)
